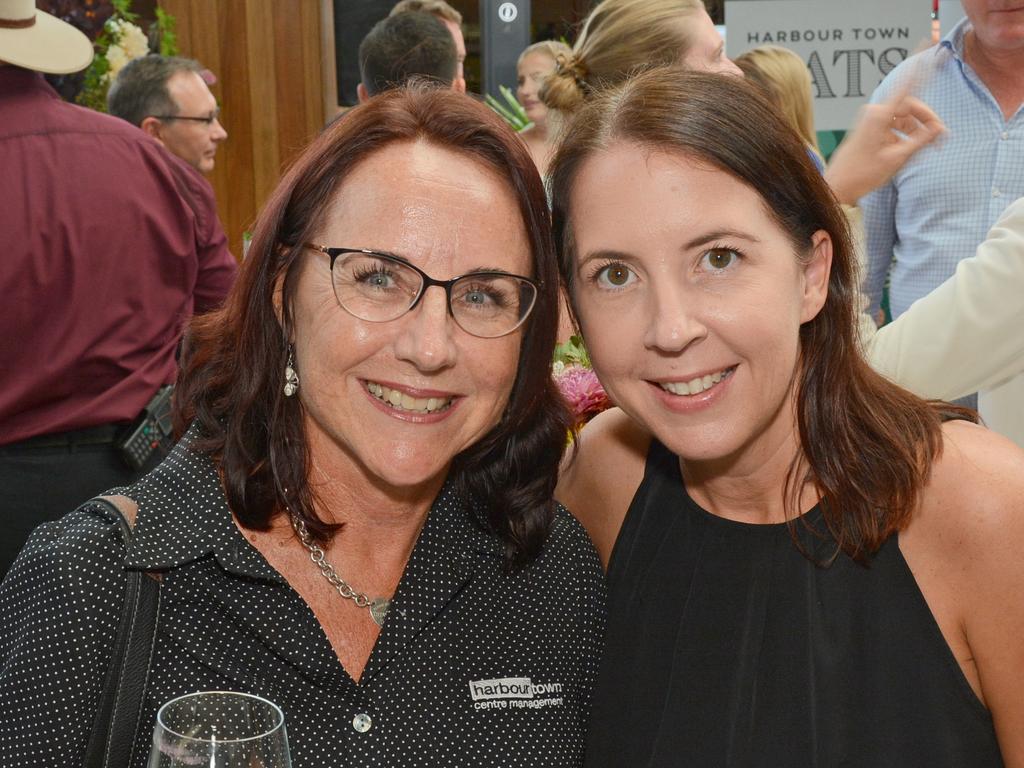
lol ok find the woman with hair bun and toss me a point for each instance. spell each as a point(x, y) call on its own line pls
point(621, 37)
point(535, 64)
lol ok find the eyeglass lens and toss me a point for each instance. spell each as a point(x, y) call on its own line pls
point(207, 120)
point(377, 289)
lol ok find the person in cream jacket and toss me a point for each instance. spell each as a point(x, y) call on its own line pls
point(968, 334)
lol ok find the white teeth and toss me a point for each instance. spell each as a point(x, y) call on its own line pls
point(405, 402)
point(695, 386)
point(676, 387)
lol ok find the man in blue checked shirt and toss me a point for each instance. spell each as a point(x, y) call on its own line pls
point(938, 208)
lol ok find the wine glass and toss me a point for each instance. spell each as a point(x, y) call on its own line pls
point(219, 729)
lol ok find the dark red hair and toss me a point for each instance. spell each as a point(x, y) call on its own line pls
point(231, 381)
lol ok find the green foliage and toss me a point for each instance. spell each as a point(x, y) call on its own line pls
point(572, 352)
point(512, 111)
point(123, 9)
point(97, 76)
point(94, 89)
point(165, 24)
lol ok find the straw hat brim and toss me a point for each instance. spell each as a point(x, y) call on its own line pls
point(50, 45)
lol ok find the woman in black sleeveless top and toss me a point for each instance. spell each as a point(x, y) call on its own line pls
point(816, 568)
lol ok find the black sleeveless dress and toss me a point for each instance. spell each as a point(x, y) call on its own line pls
point(727, 647)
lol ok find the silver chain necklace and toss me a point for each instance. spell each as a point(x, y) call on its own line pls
point(378, 605)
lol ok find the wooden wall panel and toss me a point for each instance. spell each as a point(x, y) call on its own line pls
point(263, 43)
point(182, 22)
point(289, 83)
point(312, 65)
point(227, 41)
point(328, 59)
point(270, 86)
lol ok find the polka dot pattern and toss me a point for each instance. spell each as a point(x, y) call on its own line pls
point(475, 666)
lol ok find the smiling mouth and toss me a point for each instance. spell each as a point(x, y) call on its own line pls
point(402, 401)
point(697, 385)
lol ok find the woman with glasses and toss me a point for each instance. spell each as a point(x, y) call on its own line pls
point(357, 524)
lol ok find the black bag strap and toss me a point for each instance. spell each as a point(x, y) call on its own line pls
point(117, 719)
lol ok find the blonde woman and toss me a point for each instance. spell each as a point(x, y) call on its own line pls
point(786, 81)
point(535, 64)
point(621, 37)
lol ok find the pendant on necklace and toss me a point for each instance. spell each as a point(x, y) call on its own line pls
point(379, 610)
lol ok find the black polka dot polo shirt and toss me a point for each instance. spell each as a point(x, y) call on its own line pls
point(474, 666)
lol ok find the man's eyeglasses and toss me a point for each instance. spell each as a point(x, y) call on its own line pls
point(208, 120)
point(379, 287)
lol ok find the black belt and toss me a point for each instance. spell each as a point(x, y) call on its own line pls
point(103, 435)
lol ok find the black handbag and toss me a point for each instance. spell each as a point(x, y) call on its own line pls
point(112, 744)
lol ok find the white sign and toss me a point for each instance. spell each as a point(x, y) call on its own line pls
point(849, 47)
point(508, 12)
point(950, 12)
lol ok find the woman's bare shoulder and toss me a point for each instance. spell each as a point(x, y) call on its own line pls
point(971, 527)
point(600, 476)
point(974, 493)
point(981, 473)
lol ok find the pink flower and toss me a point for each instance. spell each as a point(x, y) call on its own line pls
point(582, 391)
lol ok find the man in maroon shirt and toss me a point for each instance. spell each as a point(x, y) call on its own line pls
point(110, 244)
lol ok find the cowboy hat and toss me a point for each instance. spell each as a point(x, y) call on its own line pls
point(35, 40)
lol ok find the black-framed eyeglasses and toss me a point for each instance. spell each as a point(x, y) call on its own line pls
point(378, 287)
point(208, 119)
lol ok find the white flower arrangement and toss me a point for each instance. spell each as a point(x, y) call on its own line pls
point(127, 42)
point(121, 40)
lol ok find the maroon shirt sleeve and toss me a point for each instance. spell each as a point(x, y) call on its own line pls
point(217, 266)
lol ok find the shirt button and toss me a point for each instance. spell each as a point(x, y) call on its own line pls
point(362, 723)
point(996, 193)
point(1004, 135)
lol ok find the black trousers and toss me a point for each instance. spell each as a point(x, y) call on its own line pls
point(45, 478)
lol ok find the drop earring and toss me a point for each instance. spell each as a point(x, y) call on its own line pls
point(291, 378)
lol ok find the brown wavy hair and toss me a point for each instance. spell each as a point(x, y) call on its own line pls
point(868, 445)
point(230, 385)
